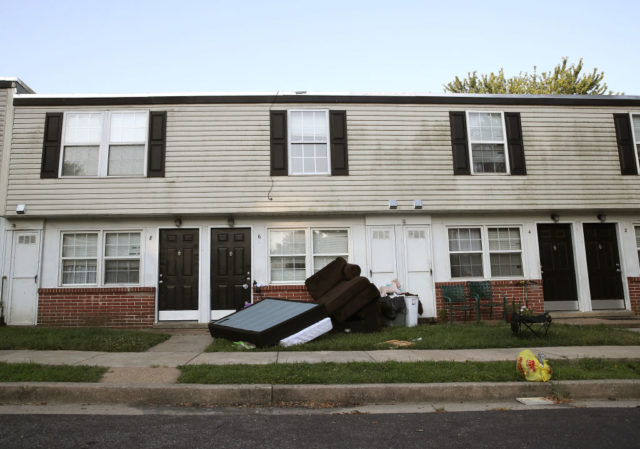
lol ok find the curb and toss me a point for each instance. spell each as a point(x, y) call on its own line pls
point(345, 395)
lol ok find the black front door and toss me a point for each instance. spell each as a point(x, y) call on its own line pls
point(178, 269)
point(603, 261)
point(230, 268)
point(556, 259)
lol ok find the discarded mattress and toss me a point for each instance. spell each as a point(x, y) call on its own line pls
point(268, 321)
point(308, 334)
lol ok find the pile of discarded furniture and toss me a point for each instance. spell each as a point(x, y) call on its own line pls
point(343, 300)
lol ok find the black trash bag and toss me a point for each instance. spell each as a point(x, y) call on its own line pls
point(392, 306)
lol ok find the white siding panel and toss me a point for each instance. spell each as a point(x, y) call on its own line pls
point(217, 162)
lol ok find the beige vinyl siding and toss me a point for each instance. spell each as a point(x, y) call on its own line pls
point(217, 162)
point(4, 96)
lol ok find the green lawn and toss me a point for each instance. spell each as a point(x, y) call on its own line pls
point(33, 372)
point(458, 336)
point(401, 372)
point(78, 339)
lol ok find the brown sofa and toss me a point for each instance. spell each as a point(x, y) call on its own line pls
point(341, 289)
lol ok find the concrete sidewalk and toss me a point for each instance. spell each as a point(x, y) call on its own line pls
point(151, 359)
point(150, 377)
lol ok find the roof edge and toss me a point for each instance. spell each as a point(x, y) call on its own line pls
point(21, 86)
point(480, 99)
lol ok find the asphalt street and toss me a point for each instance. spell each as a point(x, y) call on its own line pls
point(559, 428)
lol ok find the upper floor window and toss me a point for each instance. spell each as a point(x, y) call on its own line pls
point(635, 119)
point(104, 143)
point(308, 142)
point(487, 142)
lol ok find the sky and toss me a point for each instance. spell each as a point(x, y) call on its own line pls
point(115, 46)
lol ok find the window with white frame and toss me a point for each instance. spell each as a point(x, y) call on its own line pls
point(487, 142)
point(81, 259)
point(638, 240)
point(122, 257)
point(505, 252)
point(309, 142)
point(289, 250)
point(635, 124)
point(327, 245)
point(465, 252)
point(109, 143)
point(471, 249)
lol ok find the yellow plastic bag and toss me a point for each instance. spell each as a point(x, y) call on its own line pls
point(531, 368)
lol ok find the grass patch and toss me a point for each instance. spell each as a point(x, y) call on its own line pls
point(78, 339)
point(33, 372)
point(400, 372)
point(458, 336)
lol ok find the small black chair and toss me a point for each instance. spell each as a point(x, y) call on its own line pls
point(481, 292)
point(521, 322)
point(456, 299)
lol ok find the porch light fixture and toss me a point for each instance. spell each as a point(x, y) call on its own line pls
point(555, 218)
point(178, 222)
point(602, 218)
point(21, 208)
point(393, 204)
point(231, 221)
point(417, 204)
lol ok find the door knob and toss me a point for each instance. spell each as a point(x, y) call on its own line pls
point(245, 286)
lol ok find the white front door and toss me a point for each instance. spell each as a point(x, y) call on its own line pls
point(402, 252)
point(382, 250)
point(24, 278)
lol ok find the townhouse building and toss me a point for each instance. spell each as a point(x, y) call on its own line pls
point(130, 210)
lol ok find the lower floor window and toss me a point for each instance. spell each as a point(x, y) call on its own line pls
point(82, 256)
point(638, 240)
point(468, 253)
point(290, 249)
point(79, 258)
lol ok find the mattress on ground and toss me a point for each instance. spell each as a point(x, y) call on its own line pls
point(309, 333)
point(268, 321)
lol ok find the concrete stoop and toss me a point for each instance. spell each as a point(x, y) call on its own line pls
point(617, 318)
point(335, 395)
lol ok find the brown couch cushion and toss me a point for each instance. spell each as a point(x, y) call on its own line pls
point(325, 279)
point(351, 271)
point(357, 303)
point(342, 293)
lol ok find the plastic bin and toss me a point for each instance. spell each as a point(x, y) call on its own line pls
point(411, 311)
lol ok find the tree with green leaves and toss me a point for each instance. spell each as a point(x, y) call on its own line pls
point(564, 79)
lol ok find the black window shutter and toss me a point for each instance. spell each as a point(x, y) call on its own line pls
point(514, 143)
point(625, 144)
point(459, 143)
point(157, 144)
point(278, 128)
point(339, 151)
point(51, 145)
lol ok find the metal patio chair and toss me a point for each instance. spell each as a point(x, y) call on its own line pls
point(481, 292)
point(455, 299)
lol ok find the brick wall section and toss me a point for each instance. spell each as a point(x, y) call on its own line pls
point(511, 289)
point(634, 294)
point(101, 307)
point(295, 292)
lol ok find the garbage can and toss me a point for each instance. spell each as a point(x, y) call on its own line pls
point(411, 310)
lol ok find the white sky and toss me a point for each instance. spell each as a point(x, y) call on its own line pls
point(324, 46)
